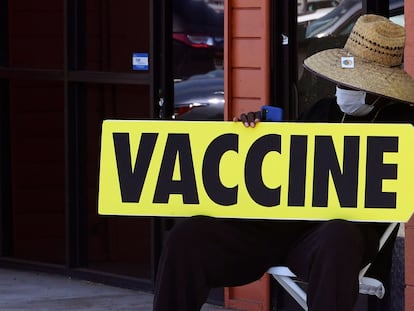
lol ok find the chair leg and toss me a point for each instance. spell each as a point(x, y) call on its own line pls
point(293, 289)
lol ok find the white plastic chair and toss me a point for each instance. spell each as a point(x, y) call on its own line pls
point(369, 286)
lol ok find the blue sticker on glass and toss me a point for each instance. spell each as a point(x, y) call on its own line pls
point(140, 61)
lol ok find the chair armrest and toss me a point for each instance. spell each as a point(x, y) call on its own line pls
point(282, 271)
point(371, 286)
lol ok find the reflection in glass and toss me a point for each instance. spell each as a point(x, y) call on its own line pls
point(198, 41)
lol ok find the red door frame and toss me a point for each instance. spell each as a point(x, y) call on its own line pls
point(247, 79)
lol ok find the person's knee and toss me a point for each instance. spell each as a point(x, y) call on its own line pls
point(340, 237)
point(185, 235)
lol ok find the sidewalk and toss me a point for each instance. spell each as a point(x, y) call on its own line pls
point(27, 290)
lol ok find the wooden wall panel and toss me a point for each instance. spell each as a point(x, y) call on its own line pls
point(251, 297)
point(409, 254)
point(250, 59)
point(409, 298)
point(247, 50)
point(409, 26)
point(247, 23)
point(409, 232)
point(246, 83)
point(246, 87)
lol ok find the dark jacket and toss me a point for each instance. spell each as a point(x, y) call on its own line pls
point(326, 110)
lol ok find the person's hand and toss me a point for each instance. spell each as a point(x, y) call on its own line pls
point(249, 119)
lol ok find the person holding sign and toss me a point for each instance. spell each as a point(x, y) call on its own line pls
point(204, 252)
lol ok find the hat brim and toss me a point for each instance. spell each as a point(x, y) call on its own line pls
point(392, 82)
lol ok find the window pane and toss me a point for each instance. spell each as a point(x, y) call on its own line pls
point(36, 34)
point(115, 244)
point(114, 33)
point(38, 168)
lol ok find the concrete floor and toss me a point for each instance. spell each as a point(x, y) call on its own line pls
point(26, 290)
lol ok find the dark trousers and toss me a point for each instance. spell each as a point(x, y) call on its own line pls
point(203, 252)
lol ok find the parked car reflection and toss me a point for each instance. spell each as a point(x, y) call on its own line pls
point(198, 37)
point(309, 10)
point(200, 97)
point(341, 20)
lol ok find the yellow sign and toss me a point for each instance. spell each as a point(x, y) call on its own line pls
point(278, 170)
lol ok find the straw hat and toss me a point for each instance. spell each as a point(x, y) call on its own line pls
point(371, 60)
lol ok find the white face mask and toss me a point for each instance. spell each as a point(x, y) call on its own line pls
point(352, 102)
